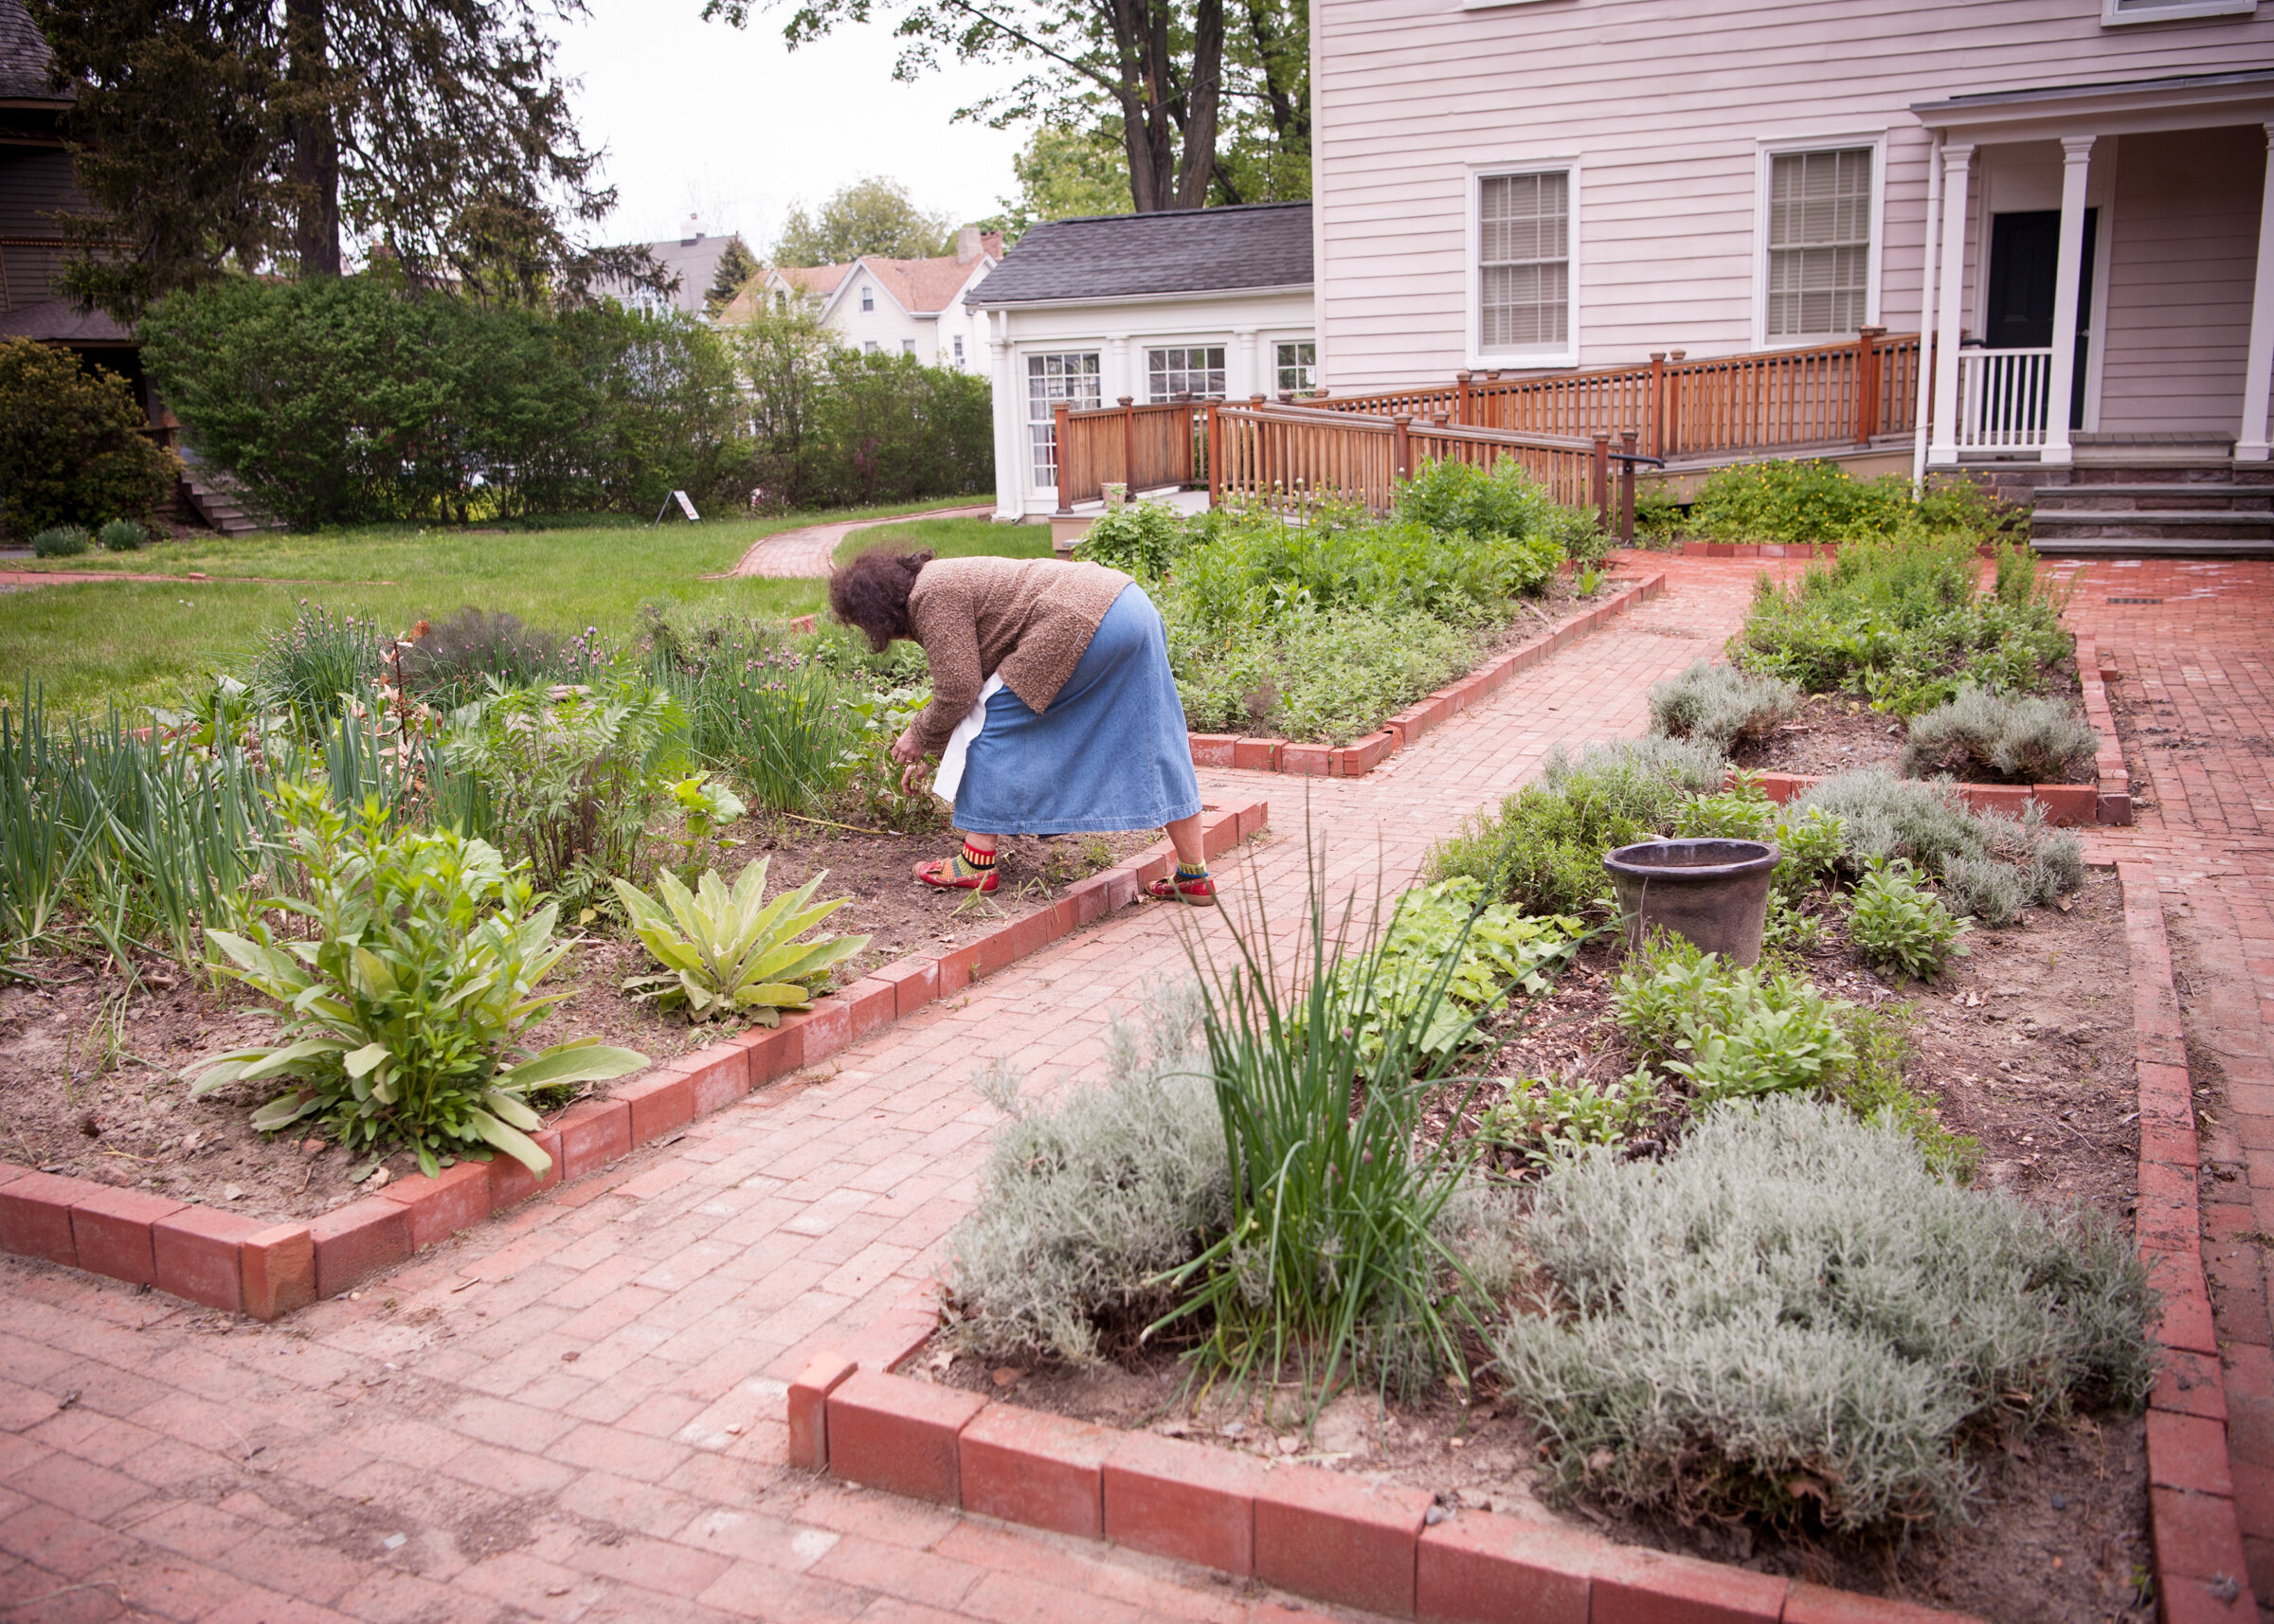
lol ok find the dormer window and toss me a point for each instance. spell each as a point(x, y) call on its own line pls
point(868, 300)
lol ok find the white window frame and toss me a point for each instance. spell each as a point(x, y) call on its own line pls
point(868, 300)
point(1142, 385)
point(958, 349)
point(1521, 357)
point(1766, 150)
point(1275, 340)
point(1027, 422)
point(2116, 15)
point(908, 346)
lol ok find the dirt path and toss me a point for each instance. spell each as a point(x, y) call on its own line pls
point(805, 554)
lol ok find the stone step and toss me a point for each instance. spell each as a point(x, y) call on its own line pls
point(2199, 497)
point(2152, 546)
point(2151, 520)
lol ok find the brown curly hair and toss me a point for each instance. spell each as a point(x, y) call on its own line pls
point(870, 592)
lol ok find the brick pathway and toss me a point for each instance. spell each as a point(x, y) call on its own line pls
point(574, 1410)
point(2191, 643)
point(805, 554)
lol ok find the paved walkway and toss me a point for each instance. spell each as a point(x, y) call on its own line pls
point(805, 554)
point(2191, 641)
point(574, 1412)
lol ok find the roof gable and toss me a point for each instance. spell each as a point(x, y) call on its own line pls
point(24, 58)
point(1139, 256)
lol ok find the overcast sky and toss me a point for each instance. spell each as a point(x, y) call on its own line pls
point(733, 124)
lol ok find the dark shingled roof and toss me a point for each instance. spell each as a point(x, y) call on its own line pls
point(1123, 256)
point(23, 56)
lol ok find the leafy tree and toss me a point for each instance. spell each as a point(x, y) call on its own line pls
point(869, 216)
point(72, 450)
point(1205, 105)
point(1064, 174)
point(261, 134)
point(736, 265)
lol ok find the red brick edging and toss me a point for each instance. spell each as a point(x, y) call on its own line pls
point(1319, 1533)
point(1362, 756)
point(224, 1260)
point(2200, 1572)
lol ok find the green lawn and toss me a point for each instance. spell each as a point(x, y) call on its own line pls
point(956, 538)
point(134, 642)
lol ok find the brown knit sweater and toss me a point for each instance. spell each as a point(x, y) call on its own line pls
point(1028, 618)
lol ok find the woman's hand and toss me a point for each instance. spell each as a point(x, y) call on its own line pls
point(911, 759)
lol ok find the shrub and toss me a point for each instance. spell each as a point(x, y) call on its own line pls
point(1447, 497)
point(732, 952)
point(1085, 1204)
point(1659, 515)
point(2003, 737)
point(1885, 816)
point(310, 666)
point(406, 1001)
point(1897, 923)
point(1142, 539)
point(448, 661)
point(1733, 1034)
point(1544, 850)
point(1792, 1318)
point(1817, 502)
point(60, 541)
point(1500, 953)
point(1310, 675)
point(73, 448)
point(121, 536)
point(1992, 892)
point(569, 783)
point(1904, 620)
point(1809, 844)
point(1721, 705)
point(1578, 532)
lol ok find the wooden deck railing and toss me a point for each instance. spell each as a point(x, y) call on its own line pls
point(1142, 447)
point(1288, 456)
point(1824, 395)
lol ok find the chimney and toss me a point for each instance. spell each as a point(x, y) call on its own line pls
point(695, 231)
point(966, 245)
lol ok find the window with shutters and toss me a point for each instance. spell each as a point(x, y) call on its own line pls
point(1524, 263)
point(1819, 244)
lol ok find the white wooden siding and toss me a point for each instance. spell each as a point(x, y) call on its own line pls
point(1665, 103)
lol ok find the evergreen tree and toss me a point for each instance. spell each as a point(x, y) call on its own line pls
point(736, 265)
point(267, 134)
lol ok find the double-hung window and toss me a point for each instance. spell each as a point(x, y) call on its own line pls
point(1523, 264)
point(868, 298)
point(1819, 244)
point(1192, 369)
point(1071, 377)
point(1297, 366)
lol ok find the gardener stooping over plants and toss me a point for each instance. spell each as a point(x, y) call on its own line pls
point(1053, 710)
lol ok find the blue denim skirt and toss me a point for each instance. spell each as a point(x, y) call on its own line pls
point(1109, 753)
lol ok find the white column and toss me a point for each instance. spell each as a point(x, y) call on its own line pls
point(2076, 166)
point(1924, 408)
point(2258, 372)
point(1956, 157)
point(1245, 378)
point(1116, 380)
point(1014, 461)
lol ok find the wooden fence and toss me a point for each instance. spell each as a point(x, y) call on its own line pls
point(1825, 395)
point(1288, 456)
point(1142, 447)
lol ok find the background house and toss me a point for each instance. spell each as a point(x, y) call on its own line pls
point(692, 257)
point(2072, 191)
point(890, 307)
point(1213, 303)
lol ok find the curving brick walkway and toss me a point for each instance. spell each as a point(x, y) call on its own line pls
point(2188, 645)
point(574, 1412)
point(805, 554)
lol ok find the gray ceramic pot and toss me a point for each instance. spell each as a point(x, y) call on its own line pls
point(1716, 892)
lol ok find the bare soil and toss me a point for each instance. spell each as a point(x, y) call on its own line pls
point(1830, 733)
point(96, 1076)
point(2027, 1046)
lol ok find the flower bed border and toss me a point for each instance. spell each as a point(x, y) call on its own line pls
point(2201, 1573)
point(1362, 755)
point(267, 1270)
point(2107, 800)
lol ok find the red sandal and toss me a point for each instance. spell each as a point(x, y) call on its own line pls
point(1200, 893)
point(939, 873)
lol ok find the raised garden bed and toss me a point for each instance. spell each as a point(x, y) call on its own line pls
point(119, 1201)
point(1362, 755)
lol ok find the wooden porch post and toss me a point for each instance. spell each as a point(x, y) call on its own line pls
point(1626, 490)
point(1401, 454)
point(1866, 383)
point(1657, 405)
point(1063, 449)
point(1670, 441)
point(1216, 460)
point(1603, 480)
point(1185, 439)
point(1129, 445)
point(1461, 398)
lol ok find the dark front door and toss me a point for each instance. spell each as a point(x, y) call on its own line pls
point(2025, 255)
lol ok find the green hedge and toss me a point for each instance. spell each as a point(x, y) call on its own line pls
point(72, 446)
